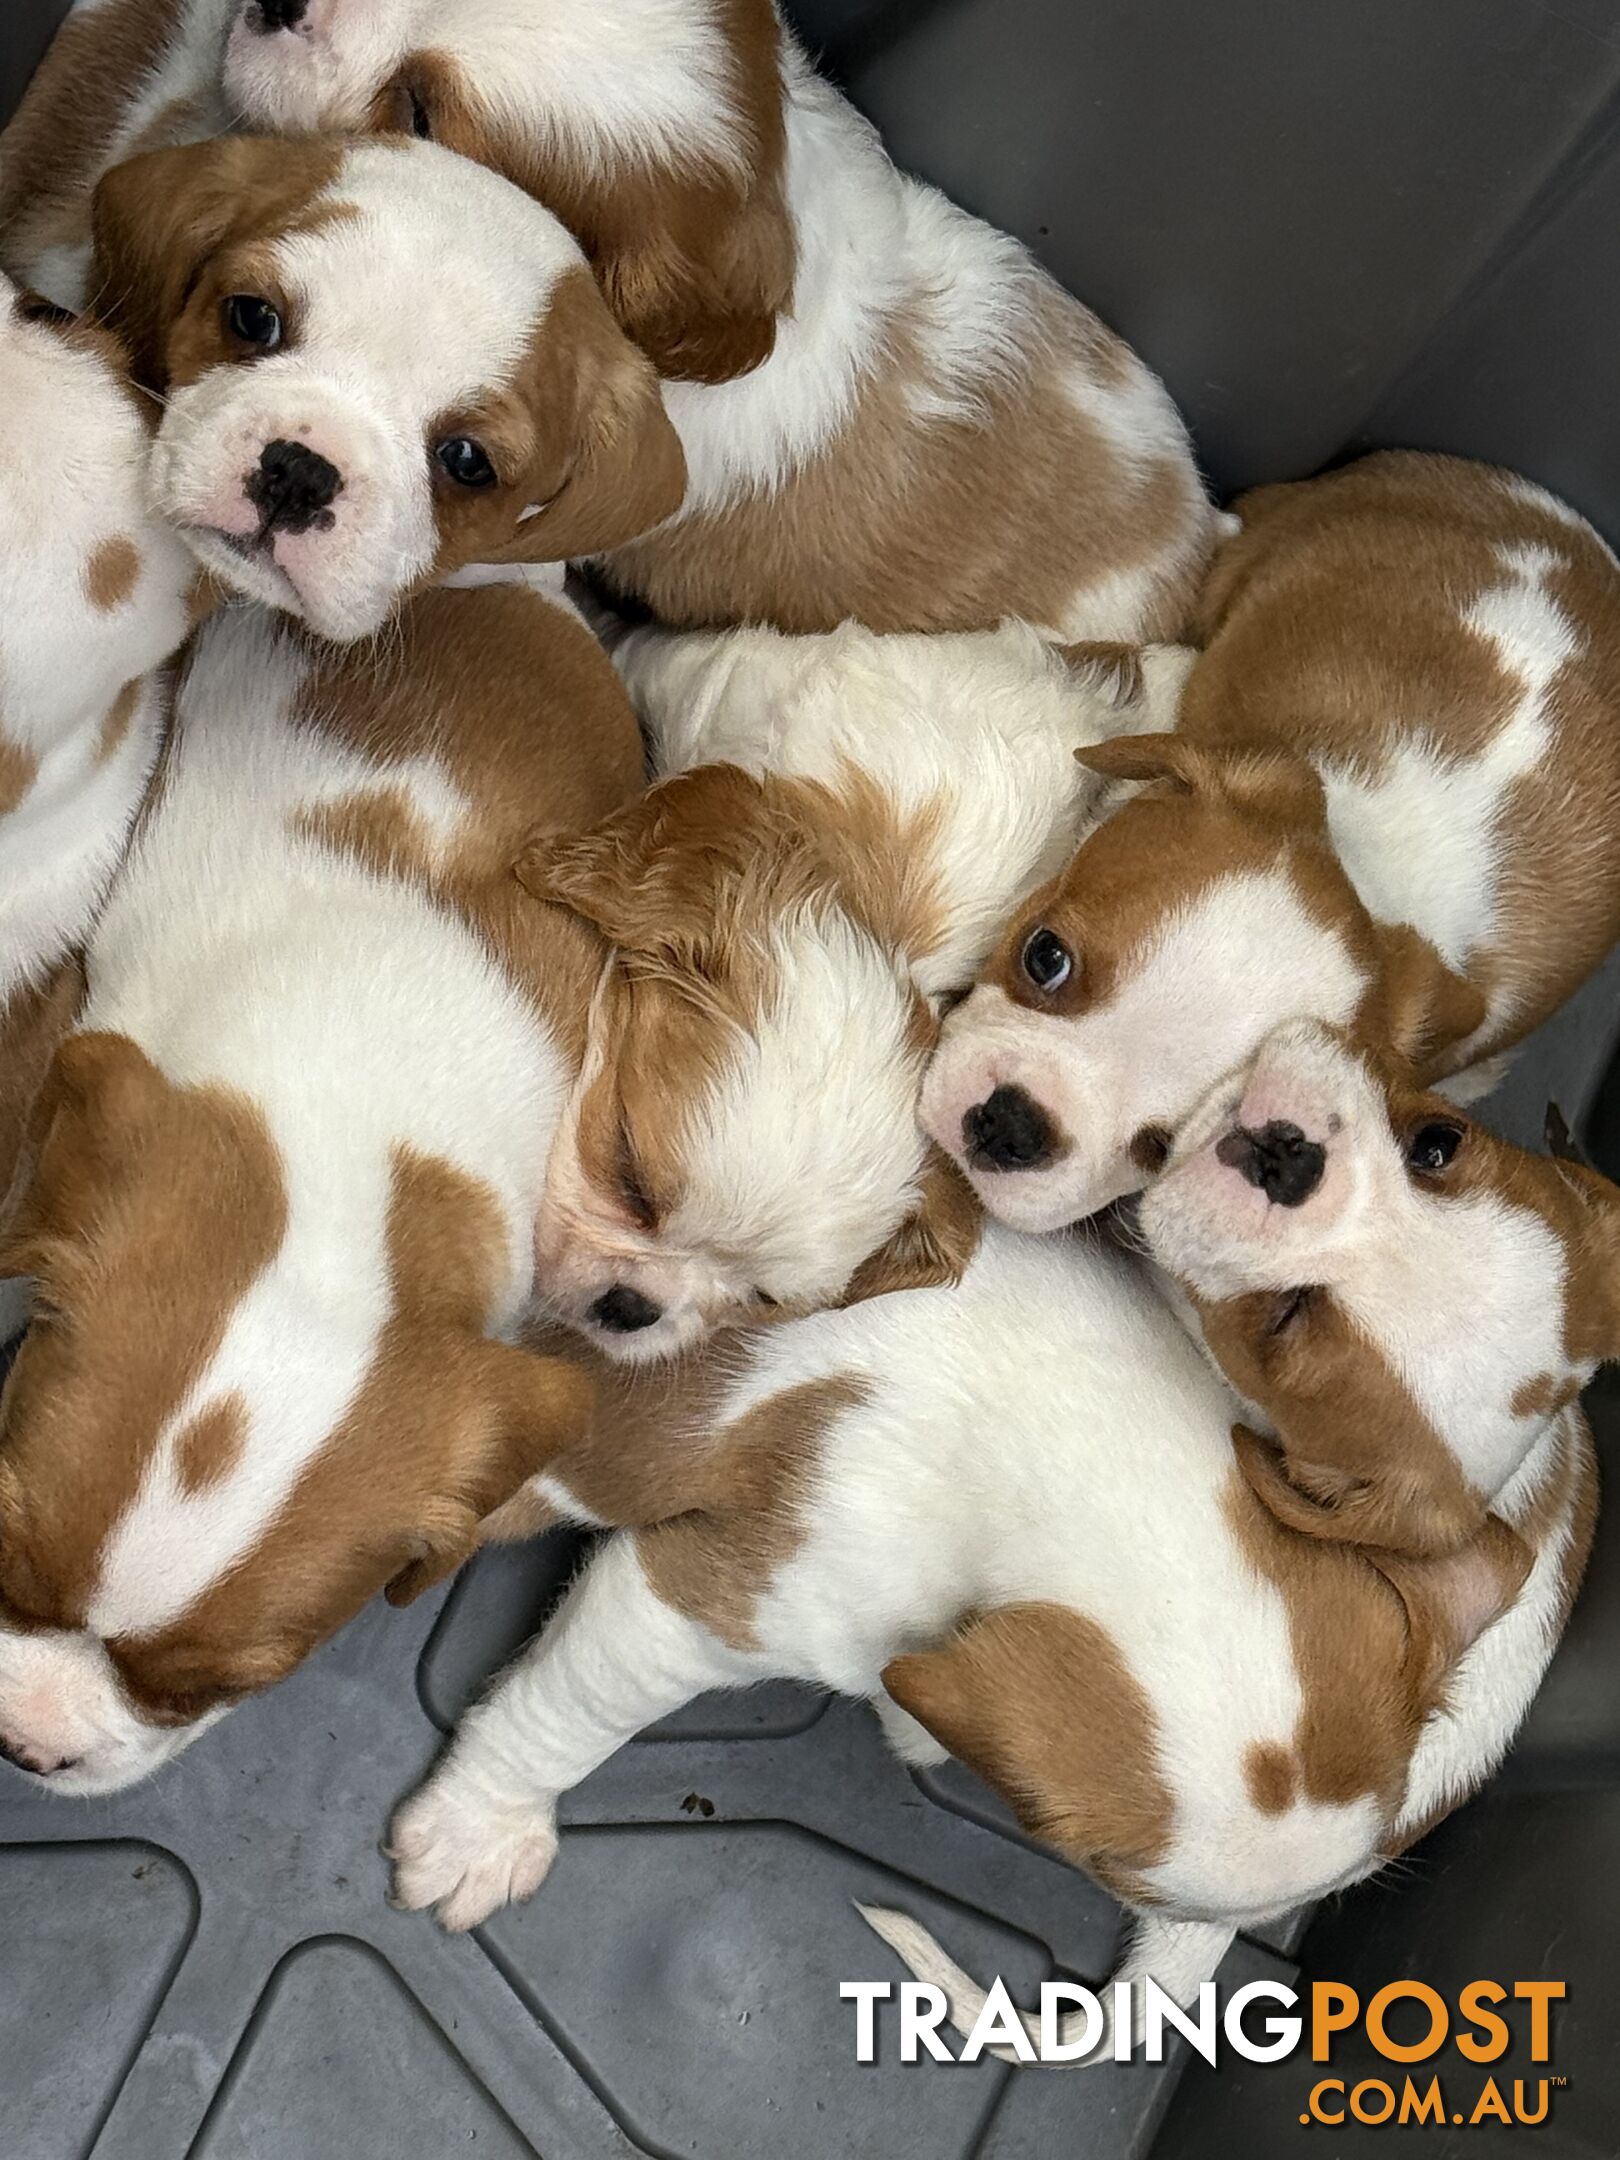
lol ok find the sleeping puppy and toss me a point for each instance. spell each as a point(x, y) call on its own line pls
point(890, 412)
point(1405, 1302)
point(94, 596)
point(379, 363)
point(923, 1502)
point(282, 1223)
point(848, 822)
point(1391, 802)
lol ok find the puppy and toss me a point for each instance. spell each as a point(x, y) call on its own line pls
point(94, 597)
point(282, 1222)
point(379, 363)
point(1401, 1299)
point(848, 822)
point(890, 413)
point(1391, 803)
point(931, 1508)
point(119, 77)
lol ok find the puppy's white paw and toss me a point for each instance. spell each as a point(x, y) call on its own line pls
point(467, 1851)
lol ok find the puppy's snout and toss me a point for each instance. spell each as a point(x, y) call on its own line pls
point(623, 1311)
point(293, 488)
point(31, 1760)
point(266, 16)
point(1008, 1131)
point(1278, 1159)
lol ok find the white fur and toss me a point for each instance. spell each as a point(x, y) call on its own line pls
point(980, 1470)
point(341, 1004)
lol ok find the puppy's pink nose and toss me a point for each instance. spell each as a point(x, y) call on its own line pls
point(34, 1760)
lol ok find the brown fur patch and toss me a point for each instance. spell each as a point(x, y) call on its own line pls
point(116, 721)
point(1012, 510)
point(1271, 1774)
point(1544, 1394)
point(112, 573)
point(1042, 1703)
point(210, 1447)
point(19, 769)
point(32, 1022)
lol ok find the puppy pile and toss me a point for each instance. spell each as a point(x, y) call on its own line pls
point(424, 1120)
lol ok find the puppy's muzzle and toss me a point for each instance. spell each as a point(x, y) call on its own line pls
point(293, 488)
point(1008, 1131)
point(266, 16)
point(33, 1764)
point(1278, 1159)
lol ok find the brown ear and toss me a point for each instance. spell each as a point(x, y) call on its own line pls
point(1268, 782)
point(698, 276)
point(1413, 1507)
point(156, 219)
point(1451, 1601)
point(525, 1411)
point(32, 1025)
point(647, 877)
point(1424, 1007)
point(625, 470)
point(932, 1246)
point(1146, 758)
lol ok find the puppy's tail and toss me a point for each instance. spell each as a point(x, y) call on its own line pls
point(1179, 1954)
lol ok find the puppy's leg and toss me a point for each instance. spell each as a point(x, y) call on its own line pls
point(483, 1830)
point(909, 1738)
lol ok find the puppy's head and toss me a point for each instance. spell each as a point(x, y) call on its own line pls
point(380, 363)
point(1203, 913)
point(1403, 1299)
point(655, 131)
point(744, 1138)
point(93, 588)
point(216, 1444)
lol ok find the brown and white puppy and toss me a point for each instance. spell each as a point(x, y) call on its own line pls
point(94, 596)
point(890, 413)
point(1402, 1299)
point(282, 1224)
point(1391, 803)
point(920, 1502)
point(379, 363)
point(849, 821)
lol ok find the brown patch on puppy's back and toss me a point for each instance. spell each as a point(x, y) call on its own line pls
point(112, 573)
point(716, 1567)
point(116, 722)
point(19, 769)
point(1271, 1773)
point(210, 1447)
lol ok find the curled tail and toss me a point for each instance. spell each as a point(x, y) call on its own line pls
point(1179, 1954)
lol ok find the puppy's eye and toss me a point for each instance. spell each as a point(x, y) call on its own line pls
point(1046, 960)
point(35, 308)
point(466, 462)
point(764, 1299)
point(1433, 1145)
point(253, 321)
point(1289, 1307)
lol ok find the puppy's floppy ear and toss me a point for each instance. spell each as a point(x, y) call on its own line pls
point(622, 466)
point(1267, 782)
point(1452, 1600)
point(1407, 1506)
point(1424, 1007)
point(156, 219)
point(522, 1412)
point(648, 876)
point(932, 1246)
point(700, 287)
point(31, 1027)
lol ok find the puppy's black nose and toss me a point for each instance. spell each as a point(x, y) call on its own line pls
point(36, 1769)
point(293, 488)
point(1278, 1158)
point(268, 15)
point(1008, 1131)
point(625, 1311)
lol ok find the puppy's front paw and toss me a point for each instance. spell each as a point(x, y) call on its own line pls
point(467, 1851)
